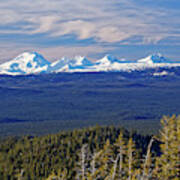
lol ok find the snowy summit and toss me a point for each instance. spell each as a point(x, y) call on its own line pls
point(26, 63)
point(34, 63)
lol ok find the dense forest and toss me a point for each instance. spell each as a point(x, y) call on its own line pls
point(94, 153)
point(49, 103)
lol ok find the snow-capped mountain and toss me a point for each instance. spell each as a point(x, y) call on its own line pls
point(109, 60)
point(109, 63)
point(79, 63)
point(26, 63)
point(34, 63)
point(156, 58)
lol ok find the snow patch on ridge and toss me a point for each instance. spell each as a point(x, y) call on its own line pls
point(163, 73)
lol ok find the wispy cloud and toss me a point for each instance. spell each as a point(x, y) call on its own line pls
point(88, 19)
point(103, 21)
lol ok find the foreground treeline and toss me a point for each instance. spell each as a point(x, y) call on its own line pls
point(99, 153)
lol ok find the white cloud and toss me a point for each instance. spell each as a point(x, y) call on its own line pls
point(81, 28)
point(112, 34)
point(105, 21)
point(44, 24)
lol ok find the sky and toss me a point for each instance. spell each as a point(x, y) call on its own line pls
point(129, 29)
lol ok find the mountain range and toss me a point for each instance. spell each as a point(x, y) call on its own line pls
point(34, 63)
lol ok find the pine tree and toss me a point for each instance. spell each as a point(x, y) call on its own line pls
point(177, 153)
point(147, 164)
point(167, 165)
point(106, 160)
point(113, 173)
point(94, 165)
point(83, 162)
point(53, 176)
point(20, 176)
point(130, 150)
point(120, 144)
point(175, 148)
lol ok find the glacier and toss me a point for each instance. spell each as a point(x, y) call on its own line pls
point(33, 63)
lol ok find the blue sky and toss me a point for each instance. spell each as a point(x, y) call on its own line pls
point(128, 29)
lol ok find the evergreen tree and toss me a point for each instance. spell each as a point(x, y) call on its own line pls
point(106, 160)
point(147, 171)
point(130, 160)
point(167, 164)
point(120, 144)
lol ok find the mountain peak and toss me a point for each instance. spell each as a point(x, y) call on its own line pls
point(34, 63)
point(81, 60)
point(107, 60)
point(25, 63)
point(154, 58)
point(26, 55)
point(110, 57)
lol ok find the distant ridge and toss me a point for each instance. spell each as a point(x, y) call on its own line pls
point(34, 63)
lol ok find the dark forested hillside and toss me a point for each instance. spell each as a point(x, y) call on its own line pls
point(94, 153)
point(44, 104)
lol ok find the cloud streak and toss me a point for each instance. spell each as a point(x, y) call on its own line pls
point(110, 22)
point(106, 21)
